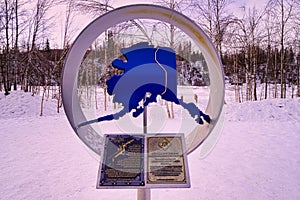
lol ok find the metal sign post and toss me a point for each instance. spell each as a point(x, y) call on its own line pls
point(144, 194)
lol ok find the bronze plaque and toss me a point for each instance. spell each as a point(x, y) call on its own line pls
point(123, 161)
point(166, 161)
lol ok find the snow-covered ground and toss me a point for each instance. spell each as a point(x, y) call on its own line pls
point(257, 155)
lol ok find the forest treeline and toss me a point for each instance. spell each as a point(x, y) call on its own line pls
point(257, 45)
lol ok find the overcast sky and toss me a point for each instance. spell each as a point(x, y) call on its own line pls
point(257, 3)
point(82, 21)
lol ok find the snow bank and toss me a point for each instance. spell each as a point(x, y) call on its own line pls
point(257, 156)
point(19, 104)
point(273, 110)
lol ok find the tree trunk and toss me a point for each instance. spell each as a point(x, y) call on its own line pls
point(268, 62)
point(42, 101)
point(236, 79)
point(168, 110)
point(275, 74)
point(254, 74)
point(298, 74)
point(281, 70)
point(266, 73)
point(248, 54)
point(210, 20)
point(6, 80)
point(16, 49)
point(172, 30)
point(218, 27)
point(104, 72)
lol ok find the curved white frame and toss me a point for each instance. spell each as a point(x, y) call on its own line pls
point(144, 11)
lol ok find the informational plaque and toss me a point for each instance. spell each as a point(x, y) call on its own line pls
point(123, 161)
point(166, 161)
point(144, 161)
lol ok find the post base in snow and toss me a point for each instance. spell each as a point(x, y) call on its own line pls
point(144, 194)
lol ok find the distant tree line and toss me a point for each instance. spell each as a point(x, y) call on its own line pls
point(267, 71)
point(26, 58)
point(255, 45)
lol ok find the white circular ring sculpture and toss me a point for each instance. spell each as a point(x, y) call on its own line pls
point(144, 11)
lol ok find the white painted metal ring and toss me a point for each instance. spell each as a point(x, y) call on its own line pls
point(144, 11)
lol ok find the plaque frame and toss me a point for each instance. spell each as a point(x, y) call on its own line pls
point(167, 149)
point(178, 157)
point(116, 151)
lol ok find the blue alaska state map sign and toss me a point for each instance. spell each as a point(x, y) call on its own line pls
point(148, 71)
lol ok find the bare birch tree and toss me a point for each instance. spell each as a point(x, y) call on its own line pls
point(284, 10)
point(6, 68)
point(297, 22)
point(40, 20)
point(269, 27)
point(254, 18)
point(214, 18)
